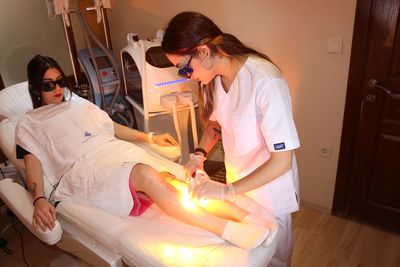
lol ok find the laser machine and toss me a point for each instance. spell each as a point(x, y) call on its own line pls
point(160, 98)
point(102, 72)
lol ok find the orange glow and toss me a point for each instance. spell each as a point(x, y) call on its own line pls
point(185, 199)
point(171, 254)
point(186, 254)
point(188, 202)
point(231, 173)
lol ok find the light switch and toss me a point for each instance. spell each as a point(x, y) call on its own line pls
point(335, 45)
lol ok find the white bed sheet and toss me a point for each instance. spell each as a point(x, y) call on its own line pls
point(155, 239)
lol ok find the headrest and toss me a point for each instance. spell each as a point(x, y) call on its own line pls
point(15, 101)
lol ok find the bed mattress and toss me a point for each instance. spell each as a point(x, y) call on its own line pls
point(155, 239)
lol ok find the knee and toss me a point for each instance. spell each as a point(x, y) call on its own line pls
point(145, 177)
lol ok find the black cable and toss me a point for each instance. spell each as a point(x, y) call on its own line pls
point(1, 170)
point(7, 171)
point(21, 239)
point(3, 246)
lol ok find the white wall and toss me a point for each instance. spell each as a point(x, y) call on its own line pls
point(26, 30)
point(295, 35)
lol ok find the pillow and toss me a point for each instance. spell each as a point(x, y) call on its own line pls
point(15, 101)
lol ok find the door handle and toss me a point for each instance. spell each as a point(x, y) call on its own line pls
point(372, 83)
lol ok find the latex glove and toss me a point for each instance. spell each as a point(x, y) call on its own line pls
point(164, 139)
point(212, 189)
point(199, 177)
point(196, 162)
point(44, 215)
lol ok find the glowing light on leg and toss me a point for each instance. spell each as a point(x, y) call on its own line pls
point(187, 201)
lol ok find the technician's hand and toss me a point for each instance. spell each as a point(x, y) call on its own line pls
point(195, 162)
point(200, 177)
point(212, 189)
point(164, 139)
point(44, 215)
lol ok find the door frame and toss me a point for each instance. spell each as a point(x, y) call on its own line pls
point(353, 105)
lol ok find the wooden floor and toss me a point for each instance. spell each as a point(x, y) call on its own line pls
point(325, 240)
point(320, 240)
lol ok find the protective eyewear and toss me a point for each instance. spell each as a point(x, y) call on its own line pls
point(186, 71)
point(51, 85)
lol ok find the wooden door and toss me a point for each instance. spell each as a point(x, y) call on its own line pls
point(368, 182)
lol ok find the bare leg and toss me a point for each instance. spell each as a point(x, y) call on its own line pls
point(168, 198)
point(248, 211)
point(220, 208)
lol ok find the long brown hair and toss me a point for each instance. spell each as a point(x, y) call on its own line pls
point(187, 30)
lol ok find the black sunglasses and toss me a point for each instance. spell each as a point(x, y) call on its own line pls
point(51, 85)
point(186, 71)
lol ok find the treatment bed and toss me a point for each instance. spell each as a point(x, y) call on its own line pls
point(99, 238)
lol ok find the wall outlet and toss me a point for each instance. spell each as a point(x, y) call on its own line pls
point(335, 45)
point(325, 151)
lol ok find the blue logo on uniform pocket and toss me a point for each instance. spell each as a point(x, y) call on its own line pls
point(279, 146)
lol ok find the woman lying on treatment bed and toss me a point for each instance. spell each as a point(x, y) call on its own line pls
point(90, 159)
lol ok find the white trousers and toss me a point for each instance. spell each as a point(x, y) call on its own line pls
point(284, 246)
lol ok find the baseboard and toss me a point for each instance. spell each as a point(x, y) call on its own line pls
point(315, 207)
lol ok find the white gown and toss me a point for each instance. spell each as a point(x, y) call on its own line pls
point(81, 157)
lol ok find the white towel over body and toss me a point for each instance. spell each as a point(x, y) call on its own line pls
point(76, 145)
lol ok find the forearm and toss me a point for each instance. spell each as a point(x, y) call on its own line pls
point(34, 175)
point(129, 134)
point(211, 135)
point(278, 164)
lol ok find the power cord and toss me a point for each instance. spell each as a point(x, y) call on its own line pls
point(7, 170)
point(3, 242)
point(3, 246)
point(13, 222)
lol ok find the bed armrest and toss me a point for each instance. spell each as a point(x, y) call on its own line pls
point(169, 152)
point(19, 201)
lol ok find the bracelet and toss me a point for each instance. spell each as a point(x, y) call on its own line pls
point(36, 199)
point(201, 150)
point(150, 137)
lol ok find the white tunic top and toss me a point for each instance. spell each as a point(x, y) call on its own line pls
point(256, 119)
point(81, 157)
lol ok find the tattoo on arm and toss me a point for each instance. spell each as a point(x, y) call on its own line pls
point(217, 133)
point(217, 130)
point(33, 189)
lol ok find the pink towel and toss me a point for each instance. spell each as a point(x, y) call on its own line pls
point(140, 201)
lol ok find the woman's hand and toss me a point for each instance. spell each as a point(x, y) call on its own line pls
point(44, 215)
point(195, 162)
point(164, 139)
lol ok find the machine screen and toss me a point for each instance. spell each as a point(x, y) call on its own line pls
point(156, 57)
point(102, 62)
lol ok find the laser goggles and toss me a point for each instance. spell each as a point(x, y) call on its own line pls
point(186, 71)
point(51, 85)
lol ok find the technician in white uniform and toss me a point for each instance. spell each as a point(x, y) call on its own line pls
point(247, 102)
